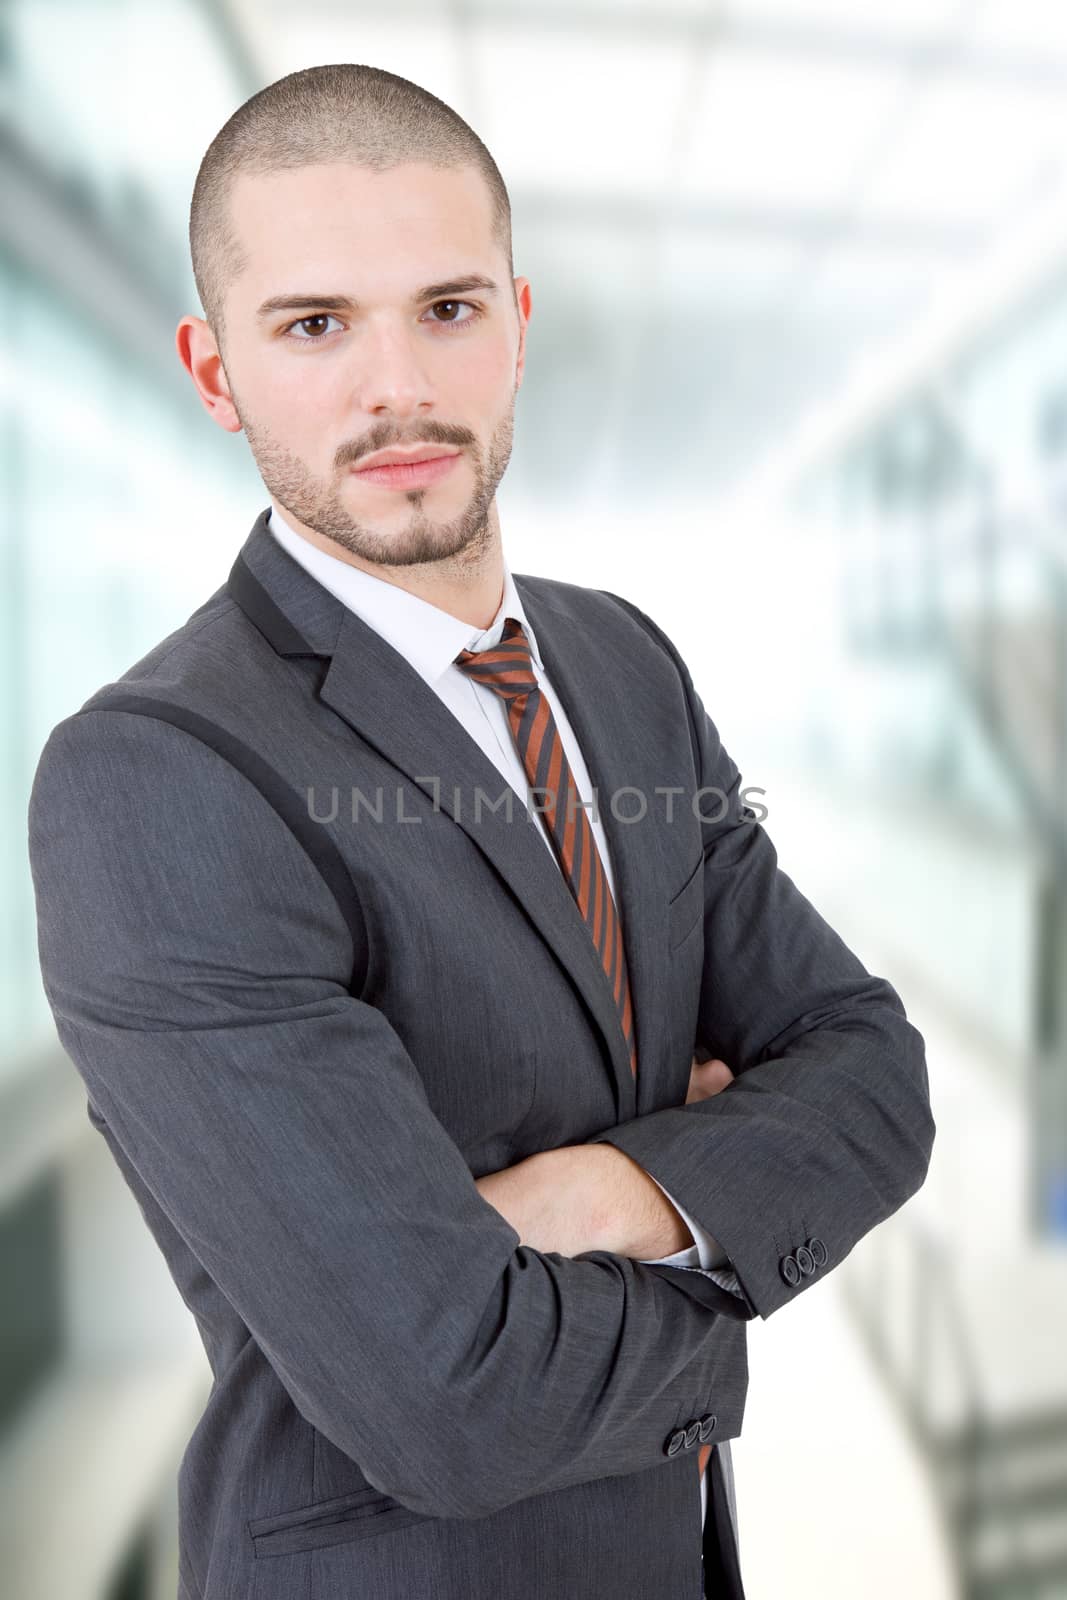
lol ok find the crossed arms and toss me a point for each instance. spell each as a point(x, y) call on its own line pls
point(285, 1132)
point(594, 1197)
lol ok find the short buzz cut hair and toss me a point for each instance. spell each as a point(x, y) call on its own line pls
point(339, 112)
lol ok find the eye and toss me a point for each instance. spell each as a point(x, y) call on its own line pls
point(447, 323)
point(456, 322)
point(312, 338)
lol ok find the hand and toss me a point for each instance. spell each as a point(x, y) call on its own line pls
point(551, 1197)
point(707, 1078)
point(593, 1196)
point(639, 1220)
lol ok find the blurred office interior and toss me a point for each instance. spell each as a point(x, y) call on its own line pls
point(796, 383)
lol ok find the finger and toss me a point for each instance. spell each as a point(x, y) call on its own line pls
point(714, 1076)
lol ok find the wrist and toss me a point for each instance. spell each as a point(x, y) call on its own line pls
point(628, 1211)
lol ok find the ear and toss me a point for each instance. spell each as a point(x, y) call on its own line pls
point(199, 355)
point(524, 303)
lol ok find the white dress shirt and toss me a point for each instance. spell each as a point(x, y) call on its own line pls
point(430, 639)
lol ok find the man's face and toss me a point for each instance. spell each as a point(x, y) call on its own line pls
point(318, 386)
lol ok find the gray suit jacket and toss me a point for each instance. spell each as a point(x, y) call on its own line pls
point(315, 988)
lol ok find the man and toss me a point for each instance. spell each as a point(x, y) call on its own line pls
point(424, 1093)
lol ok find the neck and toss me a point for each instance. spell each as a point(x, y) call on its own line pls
point(468, 585)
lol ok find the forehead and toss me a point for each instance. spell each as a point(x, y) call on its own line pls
point(341, 215)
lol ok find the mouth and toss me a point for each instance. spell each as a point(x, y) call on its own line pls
point(408, 474)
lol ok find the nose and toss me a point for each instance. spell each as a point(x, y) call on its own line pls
point(393, 376)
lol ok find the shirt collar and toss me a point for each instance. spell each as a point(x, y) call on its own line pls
point(427, 637)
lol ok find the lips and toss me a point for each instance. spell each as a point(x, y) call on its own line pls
point(413, 473)
point(402, 458)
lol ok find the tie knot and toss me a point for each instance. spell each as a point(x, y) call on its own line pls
point(508, 668)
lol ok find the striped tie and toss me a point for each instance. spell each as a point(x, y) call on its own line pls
point(509, 671)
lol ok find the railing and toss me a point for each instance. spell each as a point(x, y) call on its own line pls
point(964, 568)
point(945, 568)
point(1021, 563)
point(901, 1288)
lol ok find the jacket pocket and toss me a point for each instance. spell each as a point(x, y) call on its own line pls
point(686, 907)
point(360, 1515)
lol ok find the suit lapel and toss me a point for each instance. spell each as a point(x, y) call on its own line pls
point(382, 698)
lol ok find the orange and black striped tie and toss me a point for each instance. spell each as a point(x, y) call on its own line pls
point(508, 669)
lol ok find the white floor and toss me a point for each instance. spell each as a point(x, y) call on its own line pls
point(831, 1500)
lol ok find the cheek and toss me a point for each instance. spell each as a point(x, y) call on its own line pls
point(288, 393)
point(486, 375)
point(304, 410)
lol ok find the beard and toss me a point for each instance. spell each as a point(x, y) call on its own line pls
point(422, 538)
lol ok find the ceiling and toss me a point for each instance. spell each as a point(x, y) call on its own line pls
point(721, 207)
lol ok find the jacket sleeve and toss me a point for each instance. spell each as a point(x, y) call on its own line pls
point(826, 1128)
point(199, 974)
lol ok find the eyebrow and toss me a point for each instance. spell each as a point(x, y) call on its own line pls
point(343, 302)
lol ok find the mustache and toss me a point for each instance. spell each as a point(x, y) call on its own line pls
point(438, 433)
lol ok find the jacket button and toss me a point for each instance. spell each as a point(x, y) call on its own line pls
point(675, 1442)
point(692, 1434)
point(805, 1260)
point(818, 1251)
point(707, 1427)
point(789, 1270)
